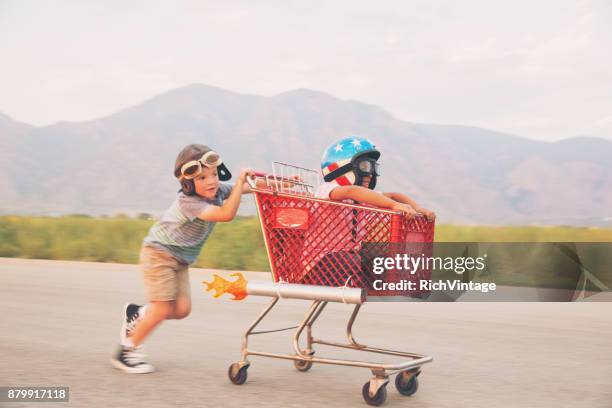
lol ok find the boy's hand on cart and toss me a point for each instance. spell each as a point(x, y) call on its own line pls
point(246, 172)
point(430, 215)
point(406, 210)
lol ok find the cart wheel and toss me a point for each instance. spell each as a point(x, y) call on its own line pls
point(302, 365)
point(376, 400)
point(407, 383)
point(241, 375)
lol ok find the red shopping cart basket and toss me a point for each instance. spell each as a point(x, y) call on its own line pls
point(321, 242)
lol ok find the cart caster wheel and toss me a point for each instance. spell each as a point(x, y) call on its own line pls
point(239, 376)
point(378, 399)
point(407, 383)
point(302, 365)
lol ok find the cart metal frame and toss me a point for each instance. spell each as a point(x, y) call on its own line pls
point(380, 371)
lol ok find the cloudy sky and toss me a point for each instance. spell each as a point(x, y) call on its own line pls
point(540, 69)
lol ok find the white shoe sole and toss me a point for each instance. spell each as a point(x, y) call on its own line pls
point(140, 369)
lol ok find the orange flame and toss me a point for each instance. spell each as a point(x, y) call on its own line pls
point(221, 286)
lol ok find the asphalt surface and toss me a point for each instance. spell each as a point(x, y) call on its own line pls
point(60, 322)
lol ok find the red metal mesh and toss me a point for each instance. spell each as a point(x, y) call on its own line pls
point(319, 242)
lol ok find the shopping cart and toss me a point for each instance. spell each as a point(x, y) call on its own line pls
point(315, 250)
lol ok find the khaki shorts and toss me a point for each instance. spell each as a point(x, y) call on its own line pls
point(165, 278)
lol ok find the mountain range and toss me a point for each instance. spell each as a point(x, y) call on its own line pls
point(124, 162)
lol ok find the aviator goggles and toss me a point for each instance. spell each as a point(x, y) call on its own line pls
point(366, 167)
point(192, 168)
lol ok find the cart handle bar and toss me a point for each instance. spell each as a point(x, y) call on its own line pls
point(259, 174)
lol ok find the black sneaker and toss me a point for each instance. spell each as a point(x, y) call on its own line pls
point(131, 360)
point(130, 318)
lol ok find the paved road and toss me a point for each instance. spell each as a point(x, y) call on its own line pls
point(60, 322)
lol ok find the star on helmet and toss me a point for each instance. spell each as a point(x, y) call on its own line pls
point(357, 143)
point(338, 147)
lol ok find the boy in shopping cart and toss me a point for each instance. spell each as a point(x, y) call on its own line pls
point(173, 243)
point(350, 168)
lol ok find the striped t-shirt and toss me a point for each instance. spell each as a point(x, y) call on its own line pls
point(180, 231)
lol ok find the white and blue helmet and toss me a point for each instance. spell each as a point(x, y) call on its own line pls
point(346, 161)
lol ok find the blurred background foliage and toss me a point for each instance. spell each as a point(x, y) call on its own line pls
point(237, 245)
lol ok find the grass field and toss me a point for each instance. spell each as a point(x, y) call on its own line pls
point(235, 246)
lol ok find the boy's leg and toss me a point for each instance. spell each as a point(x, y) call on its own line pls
point(165, 278)
point(157, 311)
point(159, 272)
point(172, 309)
point(129, 356)
point(181, 308)
point(182, 304)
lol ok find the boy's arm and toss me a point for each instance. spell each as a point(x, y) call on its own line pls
point(228, 210)
point(367, 196)
point(263, 184)
point(246, 188)
point(403, 198)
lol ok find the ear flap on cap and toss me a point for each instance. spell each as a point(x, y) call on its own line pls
point(224, 173)
point(188, 187)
